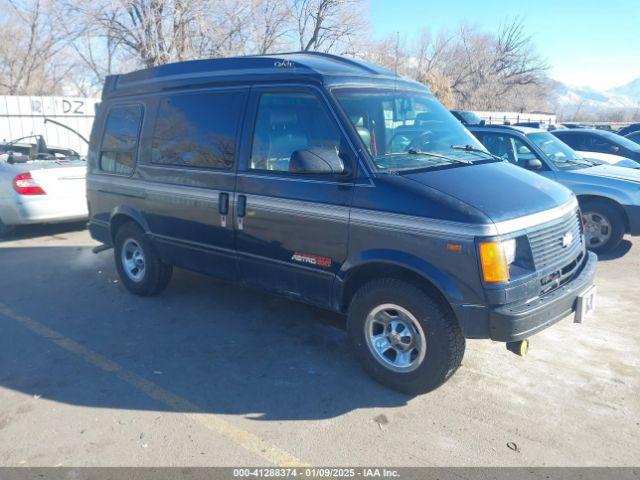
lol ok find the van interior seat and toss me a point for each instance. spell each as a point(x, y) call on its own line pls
point(276, 138)
point(423, 119)
point(500, 146)
point(365, 134)
point(286, 133)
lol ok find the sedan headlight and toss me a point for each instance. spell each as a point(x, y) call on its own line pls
point(495, 258)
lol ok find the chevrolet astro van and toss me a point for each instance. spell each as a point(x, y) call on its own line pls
point(340, 184)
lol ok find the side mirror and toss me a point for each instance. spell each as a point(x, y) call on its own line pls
point(316, 161)
point(482, 123)
point(534, 164)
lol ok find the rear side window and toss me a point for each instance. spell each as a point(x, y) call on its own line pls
point(197, 130)
point(120, 141)
point(577, 142)
point(599, 144)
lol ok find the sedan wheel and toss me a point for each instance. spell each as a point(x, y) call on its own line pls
point(597, 230)
point(604, 225)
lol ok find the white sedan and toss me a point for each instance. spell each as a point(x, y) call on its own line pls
point(609, 159)
point(42, 188)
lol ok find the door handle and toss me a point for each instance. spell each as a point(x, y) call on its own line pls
point(223, 203)
point(241, 210)
point(242, 205)
point(223, 208)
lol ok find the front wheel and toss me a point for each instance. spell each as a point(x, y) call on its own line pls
point(139, 266)
point(604, 226)
point(404, 338)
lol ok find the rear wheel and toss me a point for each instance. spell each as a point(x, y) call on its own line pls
point(604, 226)
point(140, 268)
point(404, 338)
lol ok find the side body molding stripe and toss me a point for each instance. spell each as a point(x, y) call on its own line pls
point(426, 226)
point(358, 217)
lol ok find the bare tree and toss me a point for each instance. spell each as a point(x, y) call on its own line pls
point(156, 31)
point(30, 45)
point(74, 44)
point(270, 26)
point(490, 70)
point(328, 25)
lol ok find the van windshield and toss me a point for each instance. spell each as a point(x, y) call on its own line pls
point(408, 130)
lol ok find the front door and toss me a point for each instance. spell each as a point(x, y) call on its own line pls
point(291, 228)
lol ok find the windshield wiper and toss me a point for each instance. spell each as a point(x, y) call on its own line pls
point(582, 162)
point(588, 161)
point(429, 154)
point(471, 149)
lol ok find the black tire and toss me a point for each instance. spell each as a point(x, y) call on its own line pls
point(445, 343)
point(156, 274)
point(613, 217)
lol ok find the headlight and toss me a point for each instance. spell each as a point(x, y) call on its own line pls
point(509, 248)
point(495, 258)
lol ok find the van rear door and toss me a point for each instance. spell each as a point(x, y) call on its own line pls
point(189, 178)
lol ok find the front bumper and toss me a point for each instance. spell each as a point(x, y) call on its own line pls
point(633, 215)
point(511, 323)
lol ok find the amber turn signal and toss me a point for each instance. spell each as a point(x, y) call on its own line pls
point(454, 247)
point(494, 263)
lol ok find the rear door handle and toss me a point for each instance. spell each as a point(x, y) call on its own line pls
point(223, 208)
point(241, 210)
point(223, 203)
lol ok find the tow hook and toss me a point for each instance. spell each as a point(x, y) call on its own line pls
point(520, 348)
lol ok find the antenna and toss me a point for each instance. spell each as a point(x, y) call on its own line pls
point(397, 52)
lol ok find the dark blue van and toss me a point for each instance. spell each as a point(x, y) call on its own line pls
point(336, 183)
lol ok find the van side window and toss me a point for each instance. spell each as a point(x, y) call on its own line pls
point(197, 130)
point(287, 122)
point(120, 141)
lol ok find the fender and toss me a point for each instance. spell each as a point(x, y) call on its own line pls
point(612, 194)
point(442, 281)
point(135, 215)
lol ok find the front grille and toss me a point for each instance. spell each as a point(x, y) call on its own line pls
point(550, 246)
point(558, 278)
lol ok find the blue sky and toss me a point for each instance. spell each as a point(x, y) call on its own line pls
point(592, 43)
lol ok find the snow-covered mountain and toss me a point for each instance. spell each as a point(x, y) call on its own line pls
point(625, 96)
point(631, 89)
